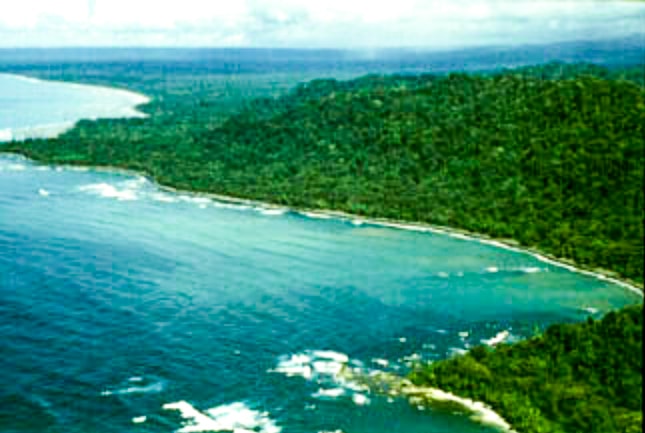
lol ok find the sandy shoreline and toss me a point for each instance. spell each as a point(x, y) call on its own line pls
point(478, 411)
point(394, 386)
point(53, 130)
point(139, 97)
point(507, 244)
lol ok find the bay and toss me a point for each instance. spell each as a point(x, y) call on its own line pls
point(124, 306)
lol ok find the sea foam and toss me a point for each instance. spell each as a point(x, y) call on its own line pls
point(316, 215)
point(497, 339)
point(235, 417)
point(110, 191)
point(155, 387)
point(272, 211)
point(328, 369)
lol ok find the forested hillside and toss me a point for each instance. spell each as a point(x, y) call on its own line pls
point(574, 378)
point(550, 156)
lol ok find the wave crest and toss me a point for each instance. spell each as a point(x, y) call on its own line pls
point(235, 417)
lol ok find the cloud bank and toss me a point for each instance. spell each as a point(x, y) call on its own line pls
point(315, 24)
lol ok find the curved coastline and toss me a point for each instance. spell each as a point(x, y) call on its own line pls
point(396, 386)
point(477, 411)
point(55, 129)
point(507, 244)
point(139, 97)
point(483, 413)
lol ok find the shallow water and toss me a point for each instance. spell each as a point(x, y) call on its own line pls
point(124, 308)
point(31, 108)
point(117, 299)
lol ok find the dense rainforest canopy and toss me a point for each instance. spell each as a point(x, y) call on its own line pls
point(550, 156)
point(574, 378)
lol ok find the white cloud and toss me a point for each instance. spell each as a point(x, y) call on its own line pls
point(305, 23)
point(26, 14)
point(165, 14)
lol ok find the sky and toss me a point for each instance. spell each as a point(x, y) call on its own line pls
point(313, 23)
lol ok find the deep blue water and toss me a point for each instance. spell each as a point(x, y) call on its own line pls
point(117, 299)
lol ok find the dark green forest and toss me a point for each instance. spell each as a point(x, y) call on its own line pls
point(551, 156)
point(574, 378)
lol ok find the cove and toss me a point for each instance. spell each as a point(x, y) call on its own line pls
point(32, 108)
point(124, 307)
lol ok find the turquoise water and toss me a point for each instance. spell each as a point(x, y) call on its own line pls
point(123, 307)
point(33, 108)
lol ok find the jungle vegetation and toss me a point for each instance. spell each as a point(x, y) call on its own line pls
point(551, 156)
point(574, 378)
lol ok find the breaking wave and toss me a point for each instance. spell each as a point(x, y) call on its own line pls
point(328, 369)
point(110, 191)
point(233, 417)
point(316, 215)
point(500, 337)
point(272, 211)
point(340, 377)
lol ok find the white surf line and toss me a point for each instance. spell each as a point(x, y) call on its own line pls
point(389, 384)
point(344, 216)
point(503, 245)
point(480, 412)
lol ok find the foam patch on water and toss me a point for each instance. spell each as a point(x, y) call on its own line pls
point(155, 387)
point(316, 215)
point(381, 362)
point(530, 270)
point(107, 190)
point(235, 417)
point(14, 167)
point(225, 205)
point(454, 351)
point(329, 393)
point(194, 199)
point(43, 192)
point(500, 337)
point(328, 369)
point(360, 399)
point(272, 212)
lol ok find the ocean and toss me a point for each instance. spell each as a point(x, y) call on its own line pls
point(128, 308)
